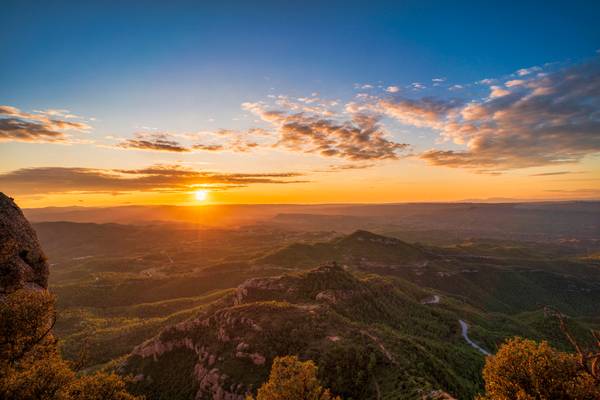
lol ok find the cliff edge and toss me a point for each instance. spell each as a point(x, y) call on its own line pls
point(22, 261)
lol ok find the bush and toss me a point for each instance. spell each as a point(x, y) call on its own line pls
point(292, 379)
point(526, 370)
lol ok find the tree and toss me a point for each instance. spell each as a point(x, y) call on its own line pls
point(30, 364)
point(292, 379)
point(589, 360)
point(526, 370)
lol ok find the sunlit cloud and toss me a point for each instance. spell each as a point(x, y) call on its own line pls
point(527, 71)
point(40, 126)
point(361, 138)
point(422, 112)
point(541, 119)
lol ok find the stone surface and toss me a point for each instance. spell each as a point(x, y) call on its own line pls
point(22, 261)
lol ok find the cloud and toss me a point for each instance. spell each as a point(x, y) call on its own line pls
point(554, 173)
point(166, 141)
point(514, 82)
point(157, 178)
point(527, 71)
point(236, 145)
point(547, 119)
point(392, 89)
point(497, 91)
point(208, 147)
point(359, 139)
point(345, 167)
point(153, 142)
point(423, 112)
point(50, 126)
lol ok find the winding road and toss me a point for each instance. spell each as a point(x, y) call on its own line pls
point(465, 329)
point(435, 299)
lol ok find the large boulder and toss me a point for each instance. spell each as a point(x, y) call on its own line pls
point(22, 261)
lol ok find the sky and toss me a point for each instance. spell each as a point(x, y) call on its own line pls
point(123, 102)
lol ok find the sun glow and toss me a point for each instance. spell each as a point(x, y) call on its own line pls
point(201, 195)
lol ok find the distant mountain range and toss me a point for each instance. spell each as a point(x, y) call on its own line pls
point(201, 313)
point(523, 221)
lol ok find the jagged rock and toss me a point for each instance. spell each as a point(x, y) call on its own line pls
point(437, 395)
point(256, 358)
point(258, 284)
point(333, 296)
point(22, 261)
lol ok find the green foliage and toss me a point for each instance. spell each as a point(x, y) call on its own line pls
point(526, 370)
point(292, 379)
point(350, 369)
point(30, 365)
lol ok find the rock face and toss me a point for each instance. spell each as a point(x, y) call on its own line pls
point(22, 261)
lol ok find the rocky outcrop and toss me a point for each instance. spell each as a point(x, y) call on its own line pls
point(22, 261)
point(437, 395)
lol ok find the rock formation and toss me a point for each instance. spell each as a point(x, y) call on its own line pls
point(22, 261)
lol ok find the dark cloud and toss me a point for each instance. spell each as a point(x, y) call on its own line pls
point(154, 179)
point(50, 126)
point(154, 142)
point(359, 139)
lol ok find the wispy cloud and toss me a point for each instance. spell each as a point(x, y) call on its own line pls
point(154, 142)
point(235, 141)
point(157, 178)
point(346, 167)
point(554, 173)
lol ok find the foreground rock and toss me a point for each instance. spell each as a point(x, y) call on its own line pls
point(22, 261)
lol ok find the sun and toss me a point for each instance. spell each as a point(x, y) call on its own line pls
point(201, 194)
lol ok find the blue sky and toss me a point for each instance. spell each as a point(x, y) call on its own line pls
point(135, 69)
point(86, 55)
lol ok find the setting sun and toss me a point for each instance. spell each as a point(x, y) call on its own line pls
point(300, 199)
point(201, 195)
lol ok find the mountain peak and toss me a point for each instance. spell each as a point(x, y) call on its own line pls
point(361, 234)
